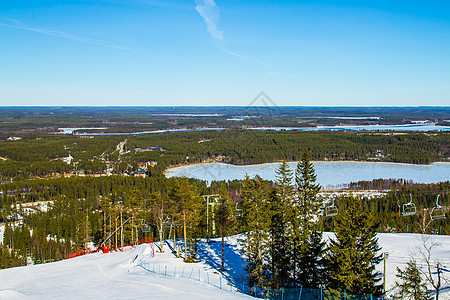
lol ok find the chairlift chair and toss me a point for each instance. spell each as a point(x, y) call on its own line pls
point(146, 228)
point(438, 212)
point(330, 210)
point(409, 208)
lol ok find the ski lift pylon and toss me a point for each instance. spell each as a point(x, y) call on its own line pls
point(409, 208)
point(438, 212)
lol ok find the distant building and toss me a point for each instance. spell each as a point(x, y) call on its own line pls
point(153, 148)
point(139, 173)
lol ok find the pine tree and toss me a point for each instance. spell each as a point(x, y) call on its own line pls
point(186, 197)
point(411, 285)
point(312, 261)
point(352, 255)
point(256, 216)
point(223, 216)
point(307, 189)
point(281, 201)
point(305, 212)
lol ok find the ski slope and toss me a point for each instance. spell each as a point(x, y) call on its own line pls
point(133, 274)
point(107, 276)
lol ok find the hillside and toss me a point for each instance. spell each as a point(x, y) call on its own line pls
point(107, 276)
point(129, 275)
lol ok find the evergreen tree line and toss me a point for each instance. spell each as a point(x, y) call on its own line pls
point(284, 242)
point(284, 245)
point(33, 157)
point(97, 202)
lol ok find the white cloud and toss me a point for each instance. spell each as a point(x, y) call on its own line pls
point(61, 34)
point(210, 13)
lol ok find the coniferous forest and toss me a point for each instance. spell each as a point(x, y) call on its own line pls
point(65, 193)
point(283, 222)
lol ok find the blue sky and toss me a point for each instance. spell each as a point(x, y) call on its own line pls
point(214, 52)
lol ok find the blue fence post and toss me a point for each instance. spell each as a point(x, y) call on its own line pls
point(300, 293)
point(345, 294)
point(321, 294)
point(165, 270)
point(220, 282)
point(207, 277)
point(175, 272)
point(182, 273)
point(190, 275)
point(282, 293)
point(254, 289)
point(243, 287)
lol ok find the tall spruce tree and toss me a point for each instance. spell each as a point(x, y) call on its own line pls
point(256, 215)
point(304, 215)
point(281, 201)
point(353, 253)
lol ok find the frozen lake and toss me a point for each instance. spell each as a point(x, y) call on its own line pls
point(409, 127)
point(328, 172)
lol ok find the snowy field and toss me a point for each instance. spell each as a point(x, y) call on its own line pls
point(401, 247)
point(129, 275)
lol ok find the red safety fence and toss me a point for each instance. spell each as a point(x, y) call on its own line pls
point(106, 249)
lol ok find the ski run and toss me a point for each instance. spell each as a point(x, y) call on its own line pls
point(137, 274)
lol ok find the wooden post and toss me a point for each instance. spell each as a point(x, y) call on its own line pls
point(115, 221)
point(121, 231)
point(132, 228)
point(104, 224)
point(184, 223)
point(223, 268)
point(109, 231)
point(174, 240)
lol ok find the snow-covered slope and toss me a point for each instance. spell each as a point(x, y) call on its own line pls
point(108, 276)
point(400, 247)
point(403, 247)
point(129, 275)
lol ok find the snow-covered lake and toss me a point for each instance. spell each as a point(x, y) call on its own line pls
point(409, 127)
point(328, 172)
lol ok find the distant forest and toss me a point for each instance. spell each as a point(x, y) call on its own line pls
point(40, 155)
point(22, 120)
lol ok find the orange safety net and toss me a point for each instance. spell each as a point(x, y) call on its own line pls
point(105, 249)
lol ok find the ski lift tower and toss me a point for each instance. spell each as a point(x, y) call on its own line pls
point(210, 200)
